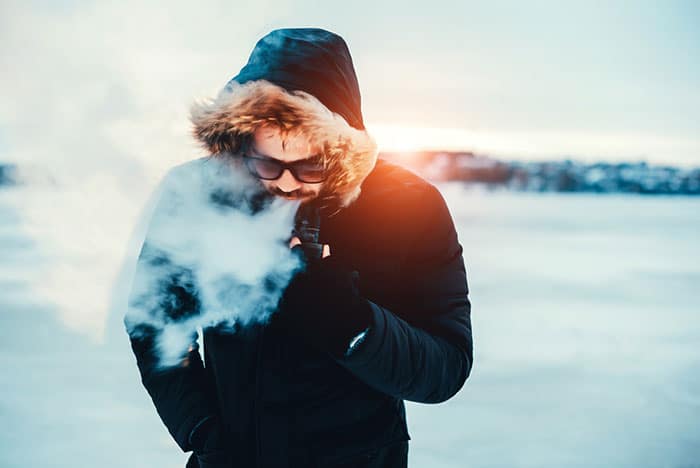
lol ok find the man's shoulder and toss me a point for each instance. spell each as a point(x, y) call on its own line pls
point(395, 201)
point(391, 188)
point(396, 213)
point(391, 181)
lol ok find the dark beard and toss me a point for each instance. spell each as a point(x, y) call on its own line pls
point(295, 194)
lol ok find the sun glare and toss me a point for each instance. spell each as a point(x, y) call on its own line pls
point(399, 138)
point(532, 145)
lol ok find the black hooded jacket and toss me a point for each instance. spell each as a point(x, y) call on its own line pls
point(277, 402)
point(280, 400)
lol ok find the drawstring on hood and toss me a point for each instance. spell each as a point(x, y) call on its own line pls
point(298, 80)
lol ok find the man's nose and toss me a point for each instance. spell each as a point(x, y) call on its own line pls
point(287, 182)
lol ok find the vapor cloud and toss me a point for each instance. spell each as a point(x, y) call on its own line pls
point(215, 252)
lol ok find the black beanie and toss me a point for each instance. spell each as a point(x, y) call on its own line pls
point(308, 59)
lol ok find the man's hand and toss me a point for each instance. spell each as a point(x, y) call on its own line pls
point(322, 304)
point(295, 241)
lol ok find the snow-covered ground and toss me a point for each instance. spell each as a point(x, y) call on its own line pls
point(587, 347)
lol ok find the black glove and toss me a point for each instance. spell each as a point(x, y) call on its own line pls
point(322, 305)
point(210, 446)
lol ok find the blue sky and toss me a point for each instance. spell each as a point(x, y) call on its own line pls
point(589, 80)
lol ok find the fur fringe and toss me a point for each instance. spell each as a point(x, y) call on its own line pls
point(349, 154)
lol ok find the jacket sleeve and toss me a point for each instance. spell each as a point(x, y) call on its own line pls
point(180, 394)
point(422, 352)
point(163, 292)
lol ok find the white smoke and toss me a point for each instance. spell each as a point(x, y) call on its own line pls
point(215, 253)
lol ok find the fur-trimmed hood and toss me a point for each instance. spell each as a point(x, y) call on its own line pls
point(300, 80)
point(349, 154)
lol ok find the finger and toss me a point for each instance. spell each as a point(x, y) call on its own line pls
point(326, 251)
point(294, 241)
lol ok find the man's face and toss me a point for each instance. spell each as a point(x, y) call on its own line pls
point(268, 143)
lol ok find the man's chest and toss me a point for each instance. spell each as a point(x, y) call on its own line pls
point(376, 251)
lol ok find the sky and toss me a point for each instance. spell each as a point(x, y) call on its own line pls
point(96, 81)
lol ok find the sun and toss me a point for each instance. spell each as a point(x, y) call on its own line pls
point(397, 138)
point(415, 138)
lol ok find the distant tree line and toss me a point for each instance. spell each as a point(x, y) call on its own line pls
point(552, 176)
point(549, 176)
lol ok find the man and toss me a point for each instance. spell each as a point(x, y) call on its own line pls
point(382, 317)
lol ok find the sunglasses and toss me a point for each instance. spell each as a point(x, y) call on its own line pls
point(309, 170)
